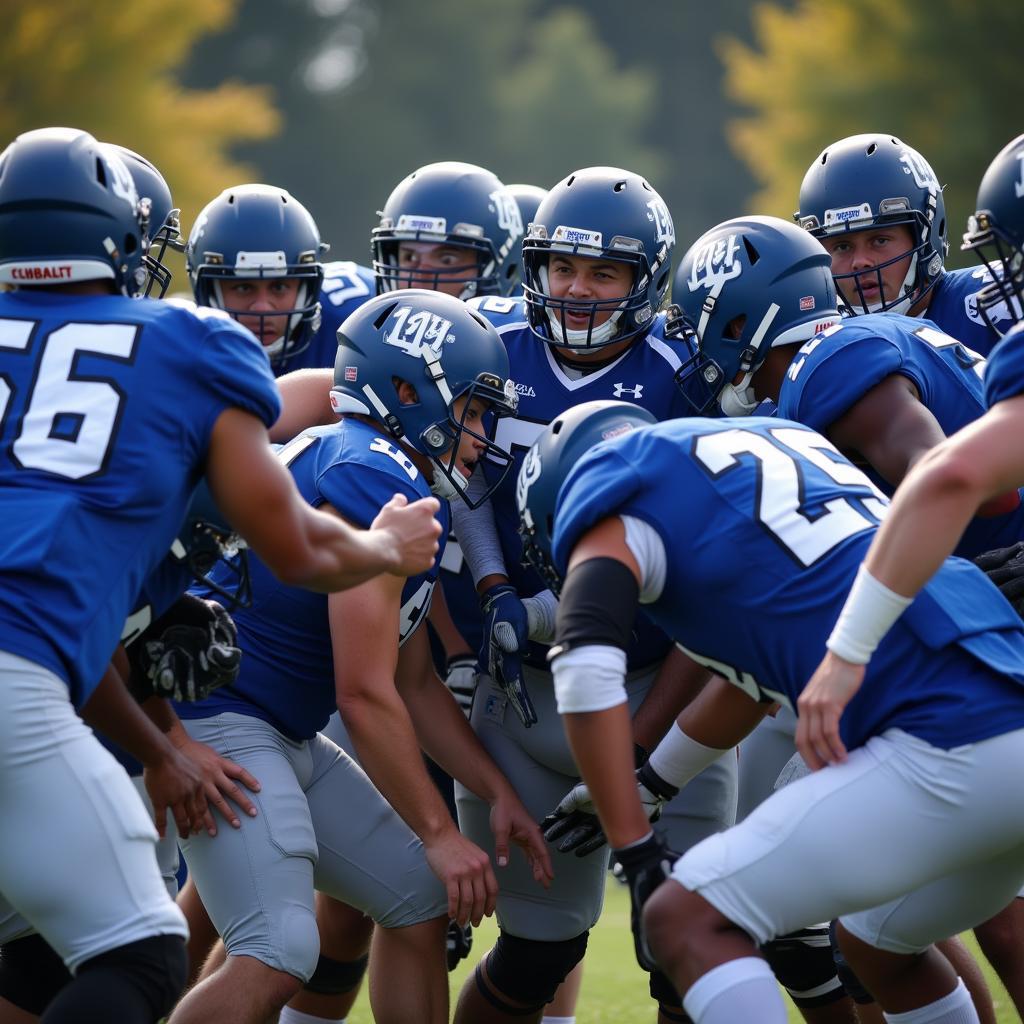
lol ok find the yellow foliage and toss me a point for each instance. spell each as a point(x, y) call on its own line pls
point(109, 67)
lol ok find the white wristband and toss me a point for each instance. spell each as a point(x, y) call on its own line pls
point(590, 678)
point(679, 758)
point(869, 613)
point(540, 614)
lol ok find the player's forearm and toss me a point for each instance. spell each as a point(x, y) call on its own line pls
point(447, 738)
point(478, 537)
point(721, 715)
point(389, 751)
point(448, 633)
point(602, 745)
point(679, 681)
point(112, 711)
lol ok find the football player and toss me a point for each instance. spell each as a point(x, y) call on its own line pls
point(255, 252)
point(596, 267)
point(936, 504)
point(622, 513)
point(99, 389)
point(877, 207)
point(417, 376)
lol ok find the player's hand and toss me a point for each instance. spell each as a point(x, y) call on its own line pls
point(1005, 568)
point(511, 823)
point(507, 629)
point(461, 678)
point(574, 824)
point(820, 708)
point(465, 871)
point(645, 865)
point(412, 531)
point(174, 781)
point(220, 782)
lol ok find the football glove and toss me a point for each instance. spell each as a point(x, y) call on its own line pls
point(507, 629)
point(190, 658)
point(458, 942)
point(574, 824)
point(1005, 568)
point(646, 866)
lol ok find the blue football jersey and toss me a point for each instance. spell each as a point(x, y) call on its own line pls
point(835, 369)
point(287, 675)
point(643, 374)
point(764, 525)
point(108, 407)
point(1004, 371)
point(953, 308)
point(346, 287)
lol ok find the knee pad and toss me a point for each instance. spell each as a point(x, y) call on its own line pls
point(856, 991)
point(528, 970)
point(803, 964)
point(31, 973)
point(156, 968)
point(336, 977)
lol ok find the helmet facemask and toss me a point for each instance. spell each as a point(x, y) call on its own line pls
point(391, 276)
point(1002, 256)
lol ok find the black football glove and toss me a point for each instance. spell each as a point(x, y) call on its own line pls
point(574, 825)
point(189, 658)
point(1005, 568)
point(458, 942)
point(646, 866)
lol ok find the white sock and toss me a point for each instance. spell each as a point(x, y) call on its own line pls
point(956, 1008)
point(558, 1020)
point(290, 1016)
point(738, 990)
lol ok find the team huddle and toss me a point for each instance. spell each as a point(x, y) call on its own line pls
point(372, 601)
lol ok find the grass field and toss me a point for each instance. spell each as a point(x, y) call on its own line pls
point(614, 988)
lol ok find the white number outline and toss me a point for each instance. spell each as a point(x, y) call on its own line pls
point(346, 271)
point(966, 357)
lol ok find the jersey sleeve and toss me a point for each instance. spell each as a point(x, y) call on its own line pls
point(828, 381)
point(1004, 372)
point(359, 489)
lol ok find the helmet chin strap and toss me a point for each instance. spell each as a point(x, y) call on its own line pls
point(739, 399)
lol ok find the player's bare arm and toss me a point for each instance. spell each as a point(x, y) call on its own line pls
point(305, 402)
point(303, 546)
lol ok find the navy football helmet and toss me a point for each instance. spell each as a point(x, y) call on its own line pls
point(458, 205)
point(69, 211)
point(744, 287)
point(259, 232)
point(445, 350)
point(528, 198)
point(875, 181)
point(164, 219)
point(995, 234)
point(547, 464)
point(601, 213)
point(205, 541)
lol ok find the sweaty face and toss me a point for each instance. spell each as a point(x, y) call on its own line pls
point(862, 253)
point(469, 448)
point(249, 300)
point(436, 266)
point(587, 278)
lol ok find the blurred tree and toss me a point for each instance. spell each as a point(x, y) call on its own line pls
point(109, 67)
point(939, 74)
point(372, 90)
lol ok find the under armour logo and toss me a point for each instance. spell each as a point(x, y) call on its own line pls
point(636, 392)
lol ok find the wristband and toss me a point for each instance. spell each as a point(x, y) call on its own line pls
point(869, 613)
point(540, 614)
point(679, 758)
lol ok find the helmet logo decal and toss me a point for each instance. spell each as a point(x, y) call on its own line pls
point(419, 334)
point(577, 236)
point(528, 476)
point(1018, 186)
point(412, 222)
point(122, 184)
point(664, 229)
point(510, 217)
point(848, 215)
point(915, 164)
point(714, 264)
